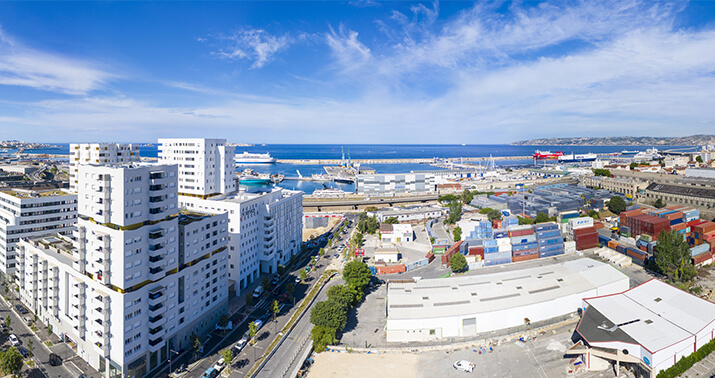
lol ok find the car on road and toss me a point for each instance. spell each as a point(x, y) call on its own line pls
point(257, 292)
point(13, 340)
point(210, 373)
point(275, 279)
point(283, 298)
point(27, 320)
point(464, 365)
point(55, 359)
point(335, 256)
point(297, 280)
point(241, 343)
point(258, 323)
point(220, 364)
point(23, 352)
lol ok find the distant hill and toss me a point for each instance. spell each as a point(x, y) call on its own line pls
point(693, 140)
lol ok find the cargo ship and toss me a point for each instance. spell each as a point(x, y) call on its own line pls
point(254, 158)
point(544, 155)
point(571, 158)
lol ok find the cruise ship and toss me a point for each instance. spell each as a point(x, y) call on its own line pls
point(571, 158)
point(543, 155)
point(246, 158)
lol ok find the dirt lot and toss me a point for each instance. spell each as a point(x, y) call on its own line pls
point(359, 365)
point(308, 232)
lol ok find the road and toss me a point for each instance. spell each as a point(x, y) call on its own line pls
point(372, 201)
point(246, 358)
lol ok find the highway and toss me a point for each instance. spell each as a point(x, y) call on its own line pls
point(372, 201)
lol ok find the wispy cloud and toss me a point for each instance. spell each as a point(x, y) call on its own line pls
point(255, 45)
point(346, 48)
point(24, 66)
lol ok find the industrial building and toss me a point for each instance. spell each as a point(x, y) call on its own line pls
point(626, 186)
point(650, 326)
point(407, 214)
point(684, 193)
point(431, 309)
point(395, 184)
point(553, 200)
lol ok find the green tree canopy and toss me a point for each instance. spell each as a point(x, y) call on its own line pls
point(322, 337)
point(391, 220)
point(541, 218)
point(227, 355)
point(485, 210)
point(602, 172)
point(699, 159)
point(594, 214)
point(331, 313)
point(659, 203)
point(458, 263)
point(494, 214)
point(455, 212)
point(525, 220)
point(447, 198)
point(357, 274)
point(672, 257)
point(617, 205)
point(633, 165)
point(457, 233)
point(11, 361)
point(467, 196)
point(342, 294)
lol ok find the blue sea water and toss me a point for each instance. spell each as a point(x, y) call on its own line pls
point(379, 151)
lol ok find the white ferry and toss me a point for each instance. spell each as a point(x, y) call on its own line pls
point(572, 158)
point(254, 158)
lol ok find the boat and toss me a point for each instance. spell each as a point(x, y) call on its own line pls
point(571, 158)
point(344, 180)
point(544, 155)
point(253, 180)
point(626, 152)
point(254, 158)
point(649, 154)
point(329, 192)
point(319, 177)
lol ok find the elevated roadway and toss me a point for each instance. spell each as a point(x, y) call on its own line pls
point(360, 203)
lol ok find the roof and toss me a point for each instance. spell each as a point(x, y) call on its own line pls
point(653, 314)
point(35, 194)
point(690, 191)
point(442, 297)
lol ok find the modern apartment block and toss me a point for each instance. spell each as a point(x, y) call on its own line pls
point(206, 166)
point(99, 154)
point(138, 278)
point(265, 230)
point(395, 184)
point(29, 213)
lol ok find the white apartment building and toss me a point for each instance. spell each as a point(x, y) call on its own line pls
point(139, 277)
point(29, 213)
point(395, 184)
point(99, 154)
point(265, 230)
point(206, 166)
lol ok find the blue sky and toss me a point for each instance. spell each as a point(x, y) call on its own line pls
point(355, 72)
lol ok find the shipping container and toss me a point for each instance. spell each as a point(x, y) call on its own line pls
point(525, 257)
point(521, 239)
point(546, 227)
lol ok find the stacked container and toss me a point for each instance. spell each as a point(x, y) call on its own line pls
point(482, 230)
point(453, 250)
point(585, 238)
point(645, 224)
point(500, 251)
point(574, 224)
point(523, 243)
point(550, 240)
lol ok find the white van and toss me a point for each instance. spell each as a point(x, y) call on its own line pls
point(257, 292)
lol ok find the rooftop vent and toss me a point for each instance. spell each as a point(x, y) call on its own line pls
point(657, 299)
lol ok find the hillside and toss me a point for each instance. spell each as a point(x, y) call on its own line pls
point(693, 140)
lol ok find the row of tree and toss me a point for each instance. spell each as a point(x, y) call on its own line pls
point(330, 317)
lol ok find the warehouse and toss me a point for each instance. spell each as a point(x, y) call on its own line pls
point(651, 326)
point(431, 309)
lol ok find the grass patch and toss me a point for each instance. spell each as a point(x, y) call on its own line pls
point(446, 275)
point(33, 328)
point(30, 363)
point(48, 343)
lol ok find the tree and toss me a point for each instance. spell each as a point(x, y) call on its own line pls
point(313, 260)
point(455, 212)
point(602, 172)
point(252, 331)
point(227, 355)
point(280, 270)
point(432, 239)
point(485, 210)
point(266, 283)
point(633, 165)
point(195, 344)
point(321, 252)
point(29, 347)
point(49, 330)
point(223, 322)
point(525, 220)
point(391, 220)
point(541, 218)
point(329, 313)
point(275, 308)
point(672, 257)
point(594, 214)
point(493, 214)
point(294, 259)
point(659, 203)
point(11, 362)
point(617, 205)
point(699, 159)
point(290, 288)
point(8, 321)
point(457, 233)
point(357, 274)
point(249, 299)
point(458, 263)
point(342, 294)
point(371, 209)
point(372, 225)
point(467, 196)
point(303, 275)
point(447, 198)
point(322, 337)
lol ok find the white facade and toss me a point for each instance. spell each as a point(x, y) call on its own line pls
point(431, 309)
point(408, 214)
point(396, 233)
point(26, 213)
point(99, 154)
point(140, 277)
point(395, 184)
point(265, 230)
point(206, 166)
point(575, 224)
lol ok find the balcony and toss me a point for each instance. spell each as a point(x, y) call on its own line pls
point(156, 210)
point(156, 199)
point(157, 309)
point(156, 344)
point(156, 234)
point(156, 247)
point(156, 321)
point(156, 188)
point(156, 175)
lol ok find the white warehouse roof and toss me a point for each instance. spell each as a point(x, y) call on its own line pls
point(469, 295)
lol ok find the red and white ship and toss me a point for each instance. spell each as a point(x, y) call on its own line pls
point(543, 155)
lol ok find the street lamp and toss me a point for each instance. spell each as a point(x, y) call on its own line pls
point(170, 355)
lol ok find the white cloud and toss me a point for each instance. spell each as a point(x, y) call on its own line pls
point(23, 66)
point(255, 45)
point(350, 53)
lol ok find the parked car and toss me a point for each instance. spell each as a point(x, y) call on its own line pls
point(283, 298)
point(257, 292)
point(228, 327)
point(241, 343)
point(275, 279)
point(297, 280)
point(335, 256)
point(464, 365)
point(23, 351)
point(27, 321)
point(55, 359)
point(220, 364)
point(13, 340)
point(210, 373)
point(258, 323)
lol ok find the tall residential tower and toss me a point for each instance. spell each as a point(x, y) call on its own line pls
point(205, 165)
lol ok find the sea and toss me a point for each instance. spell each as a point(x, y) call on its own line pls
point(379, 151)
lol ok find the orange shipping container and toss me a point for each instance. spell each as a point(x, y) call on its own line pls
point(612, 244)
point(525, 257)
point(704, 228)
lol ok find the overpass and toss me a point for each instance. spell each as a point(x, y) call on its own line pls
point(361, 204)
